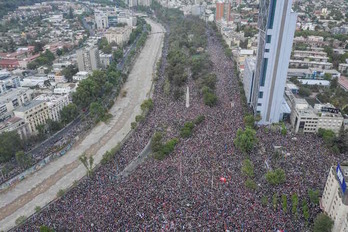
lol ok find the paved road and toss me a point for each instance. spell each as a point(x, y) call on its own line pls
point(42, 187)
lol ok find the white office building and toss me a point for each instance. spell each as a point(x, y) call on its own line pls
point(335, 198)
point(101, 20)
point(277, 24)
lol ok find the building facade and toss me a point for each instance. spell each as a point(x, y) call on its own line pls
point(306, 119)
point(334, 201)
point(119, 35)
point(248, 77)
point(13, 99)
point(101, 20)
point(15, 124)
point(88, 59)
point(277, 24)
point(55, 104)
point(34, 113)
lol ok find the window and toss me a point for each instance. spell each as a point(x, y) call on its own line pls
point(264, 70)
point(259, 104)
point(268, 38)
point(272, 12)
point(260, 94)
point(267, 50)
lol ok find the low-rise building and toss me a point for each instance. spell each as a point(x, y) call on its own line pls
point(15, 124)
point(105, 60)
point(343, 68)
point(55, 104)
point(79, 76)
point(343, 83)
point(312, 73)
point(34, 113)
point(119, 35)
point(65, 88)
point(306, 119)
point(334, 201)
point(240, 55)
point(310, 64)
point(7, 82)
point(13, 99)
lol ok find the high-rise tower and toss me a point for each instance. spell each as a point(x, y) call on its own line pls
point(277, 24)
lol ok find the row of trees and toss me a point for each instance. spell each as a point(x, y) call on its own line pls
point(186, 54)
point(45, 58)
point(338, 143)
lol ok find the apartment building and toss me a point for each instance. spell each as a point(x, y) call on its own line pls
point(55, 104)
point(34, 113)
point(119, 35)
point(12, 99)
point(88, 59)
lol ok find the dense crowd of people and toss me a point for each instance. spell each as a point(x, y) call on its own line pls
point(184, 191)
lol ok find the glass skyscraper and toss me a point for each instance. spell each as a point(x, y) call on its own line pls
point(276, 24)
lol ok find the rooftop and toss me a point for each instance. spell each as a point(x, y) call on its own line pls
point(29, 105)
point(343, 81)
point(12, 93)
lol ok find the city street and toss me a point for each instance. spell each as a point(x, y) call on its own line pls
point(42, 187)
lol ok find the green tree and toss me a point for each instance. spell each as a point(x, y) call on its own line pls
point(107, 49)
point(41, 131)
point(323, 223)
point(245, 140)
point(88, 163)
point(97, 110)
point(248, 168)
point(305, 210)
point(264, 201)
point(23, 160)
point(118, 54)
point(313, 196)
point(53, 126)
point(304, 92)
point(249, 121)
point(69, 113)
point(250, 184)
point(10, 143)
point(156, 142)
point(294, 202)
point(283, 131)
point(276, 177)
point(46, 229)
point(59, 52)
point(186, 130)
point(102, 43)
point(69, 72)
point(38, 47)
point(210, 99)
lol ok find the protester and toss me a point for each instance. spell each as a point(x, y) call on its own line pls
point(184, 192)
